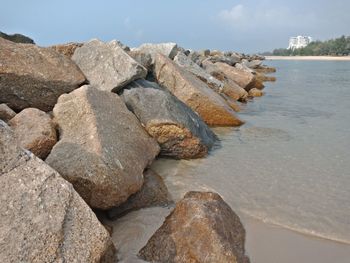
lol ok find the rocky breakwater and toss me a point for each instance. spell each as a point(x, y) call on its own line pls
point(100, 139)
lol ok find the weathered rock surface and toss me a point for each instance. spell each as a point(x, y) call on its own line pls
point(231, 88)
point(253, 64)
point(31, 76)
point(103, 149)
point(143, 58)
point(202, 228)
point(17, 38)
point(66, 49)
point(6, 113)
point(194, 93)
point(254, 92)
point(197, 57)
point(179, 131)
point(183, 61)
point(34, 131)
point(167, 49)
point(153, 193)
point(265, 69)
point(106, 65)
point(43, 219)
point(224, 59)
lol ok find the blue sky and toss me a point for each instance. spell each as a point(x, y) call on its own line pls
point(245, 25)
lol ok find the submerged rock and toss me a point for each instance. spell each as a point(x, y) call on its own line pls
point(6, 113)
point(107, 66)
point(103, 149)
point(202, 228)
point(31, 76)
point(153, 193)
point(35, 131)
point(179, 131)
point(43, 219)
point(194, 93)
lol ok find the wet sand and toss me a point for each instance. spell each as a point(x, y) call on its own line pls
point(319, 58)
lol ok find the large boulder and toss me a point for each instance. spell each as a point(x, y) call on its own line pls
point(194, 93)
point(201, 229)
point(6, 113)
point(254, 92)
point(229, 60)
point(179, 131)
point(183, 61)
point(253, 64)
point(167, 49)
point(67, 49)
point(35, 131)
point(143, 58)
point(153, 193)
point(31, 76)
point(103, 149)
point(106, 65)
point(43, 219)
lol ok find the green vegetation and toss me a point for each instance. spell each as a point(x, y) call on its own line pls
point(334, 47)
point(18, 38)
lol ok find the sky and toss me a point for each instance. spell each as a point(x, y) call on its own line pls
point(247, 26)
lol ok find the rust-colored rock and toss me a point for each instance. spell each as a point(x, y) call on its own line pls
point(255, 92)
point(103, 149)
point(32, 76)
point(201, 229)
point(35, 131)
point(265, 69)
point(43, 219)
point(153, 193)
point(66, 49)
point(6, 113)
point(193, 92)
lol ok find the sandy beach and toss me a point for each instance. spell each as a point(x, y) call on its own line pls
point(318, 58)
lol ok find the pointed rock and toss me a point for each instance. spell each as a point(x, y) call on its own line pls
point(106, 65)
point(103, 149)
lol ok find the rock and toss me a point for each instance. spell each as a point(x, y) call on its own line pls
point(216, 53)
point(205, 52)
point(179, 131)
point(103, 149)
point(123, 46)
point(6, 113)
point(31, 76)
point(183, 61)
point(17, 38)
point(231, 88)
point(224, 59)
point(197, 57)
point(107, 66)
point(66, 49)
point(153, 193)
point(143, 58)
point(167, 49)
point(34, 131)
point(265, 69)
point(261, 77)
point(253, 64)
point(43, 219)
point(202, 228)
point(254, 92)
point(194, 93)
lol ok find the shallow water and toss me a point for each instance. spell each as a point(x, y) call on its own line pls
point(290, 163)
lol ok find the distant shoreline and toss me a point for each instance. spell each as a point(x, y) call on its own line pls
point(331, 58)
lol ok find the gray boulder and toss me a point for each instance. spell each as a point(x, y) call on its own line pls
point(103, 149)
point(179, 131)
point(253, 64)
point(31, 76)
point(167, 49)
point(183, 61)
point(6, 113)
point(106, 65)
point(230, 60)
point(43, 219)
point(153, 193)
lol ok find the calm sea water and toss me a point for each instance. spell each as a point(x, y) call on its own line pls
point(290, 163)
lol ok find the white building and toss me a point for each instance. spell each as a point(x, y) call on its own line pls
point(299, 42)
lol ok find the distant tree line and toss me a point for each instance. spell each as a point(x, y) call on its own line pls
point(333, 47)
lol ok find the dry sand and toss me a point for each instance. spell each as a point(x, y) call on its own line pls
point(329, 58)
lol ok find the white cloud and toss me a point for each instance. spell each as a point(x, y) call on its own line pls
point(235, 14)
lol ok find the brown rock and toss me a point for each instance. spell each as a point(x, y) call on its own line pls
point(194, 93)
point(265, 69)
point(179, 131)
point(35, 131)
point(202, 228)
point(261, 77)
point(255, 93)
point(32, 76)
point(43, 219)
point(103, 149)
point(6, 113)
point(66, 49)
point(153, 193)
